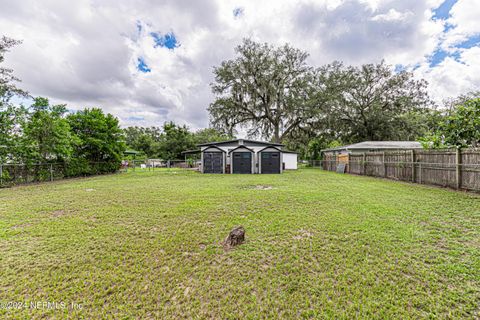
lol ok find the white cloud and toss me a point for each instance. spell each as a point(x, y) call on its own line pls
point(453, 77)
point(463, 21)
point(460, 72)
point(85, 53)
point(393, 15)
point(464, 16)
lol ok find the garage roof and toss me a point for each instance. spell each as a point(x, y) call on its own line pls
point(239, 141)
point(379, 145)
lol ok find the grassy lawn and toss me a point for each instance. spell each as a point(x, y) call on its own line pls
point(319, 245)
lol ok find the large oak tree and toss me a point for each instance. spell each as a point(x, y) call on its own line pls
point(266, 89)
point(373, 102)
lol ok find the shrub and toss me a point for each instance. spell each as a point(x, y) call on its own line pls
point(77, 167)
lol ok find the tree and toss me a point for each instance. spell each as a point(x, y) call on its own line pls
point(145, 140)
point(7, 80)
point(460, 128)
point(266, 89)
point(374, 103)
point(210, 135)
point(169, 141)
point(46, 134)
point(316, 145)
point(417, 124)
point(12, 122)
point(451, 103)
point(11, 117)
point(100, 139)
point(174, 140)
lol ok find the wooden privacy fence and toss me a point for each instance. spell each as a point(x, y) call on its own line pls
point(453, 168)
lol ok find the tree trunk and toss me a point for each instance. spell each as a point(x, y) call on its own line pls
point(235, 237)
point(276, 134)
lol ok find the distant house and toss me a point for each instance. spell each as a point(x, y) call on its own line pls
point(246, 156)
point(373, 146)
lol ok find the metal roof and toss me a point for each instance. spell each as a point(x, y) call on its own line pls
point(244, 140)
point(379, 145)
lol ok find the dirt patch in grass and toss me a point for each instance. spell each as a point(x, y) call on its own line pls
point(21, 226)
point(262, 187)
point(91, 219)
point(257, 187)
point(303, 234)
point(58, 213)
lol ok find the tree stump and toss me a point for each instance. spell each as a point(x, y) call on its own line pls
point(236, 237)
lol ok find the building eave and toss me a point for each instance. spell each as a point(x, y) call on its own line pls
point(244, 140)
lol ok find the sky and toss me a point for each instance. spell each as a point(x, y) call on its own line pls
point(149, 61)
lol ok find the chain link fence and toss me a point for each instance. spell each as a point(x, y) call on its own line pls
point(12, 174)
point(152, 164)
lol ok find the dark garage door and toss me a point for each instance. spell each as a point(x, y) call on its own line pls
point(213, 162)
point(242, 162)
point(270, 162)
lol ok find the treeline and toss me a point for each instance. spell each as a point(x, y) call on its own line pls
point(37, 137)
point(86, 141)
point(170, 140)
point(275, 93)
point(89, 141)
point(81, 143)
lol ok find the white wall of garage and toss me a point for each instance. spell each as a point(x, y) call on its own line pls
point(290, 160)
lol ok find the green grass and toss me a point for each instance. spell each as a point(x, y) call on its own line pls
point(319, 245)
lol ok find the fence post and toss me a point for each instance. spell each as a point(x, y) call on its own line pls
point(458, 171)
point(364, 163)
point(168, 164)
point(51, 172)
point(420, 172)
point(1, 174)
point(384, 165)
point(414, 174)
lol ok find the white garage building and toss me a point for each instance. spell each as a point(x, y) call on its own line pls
point(246, 156)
